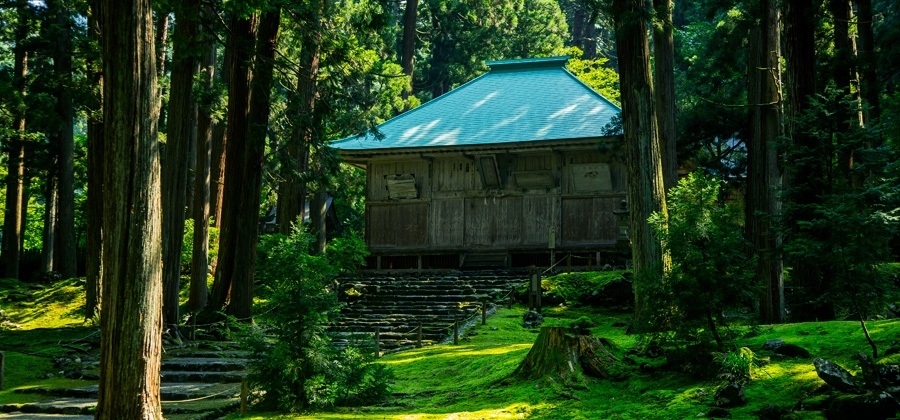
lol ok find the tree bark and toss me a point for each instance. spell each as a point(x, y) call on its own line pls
point(131, 315)
point(806, 179)
point(763, 203)
point(94, 268)
point(199, 291)
point(240, 43)
point(559, 352)
point(646, 192)
point(219, 142)
point(292, 197)
point(48, 246)
point(408, 53)
point(15, 178)
point(65, 262)
point(162, 36)
point(241, 305)
point(178, 148)
point(664, 88)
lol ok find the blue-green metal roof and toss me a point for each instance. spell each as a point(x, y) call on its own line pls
point(516, 101)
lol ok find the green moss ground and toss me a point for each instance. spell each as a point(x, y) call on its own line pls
point(469, 380)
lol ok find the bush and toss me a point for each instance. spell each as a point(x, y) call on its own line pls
point(293, 359)
point(710, 273)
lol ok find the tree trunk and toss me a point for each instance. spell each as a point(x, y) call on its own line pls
point(317, 220)
point(65, 262)
point(408, 53)
point(178, 146)
point(94, 251)
point(48, 247)
point(292, 197)
point(131, 315)
point(199, 291)
point(560, 353)
point(219, 142)
point(646, 193)
point(763, 203)
point(240, 44)
point(664, 89)
point(15, 178)
point(806, 179)
point(843, 72)
point(868, 79)
point(241, 305)
point(162, 36)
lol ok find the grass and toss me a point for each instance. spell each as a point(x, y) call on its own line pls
point(471, 380)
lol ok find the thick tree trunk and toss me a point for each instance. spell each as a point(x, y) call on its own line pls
point(217, 159)
point(65, 262)
point(806, 180)
point(241, 305)
point(664, 88)
point(868, 83)
point(178, 148)
point(240, 43)
point(131, 315)
point(199, 291)
point(162, 36)
point(408, 53)
point(843, 71)
point(15, 177)
point(559, 352)
point(317, 220)
point(763, 203)
point(646, 192)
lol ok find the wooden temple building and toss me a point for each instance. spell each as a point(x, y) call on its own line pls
point(513, 169)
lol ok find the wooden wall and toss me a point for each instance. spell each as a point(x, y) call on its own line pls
point(561, 200)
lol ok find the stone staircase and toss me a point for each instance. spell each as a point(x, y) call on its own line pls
point(396, 305)
point(199, 381)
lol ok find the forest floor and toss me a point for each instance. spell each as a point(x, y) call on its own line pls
point(471, 380)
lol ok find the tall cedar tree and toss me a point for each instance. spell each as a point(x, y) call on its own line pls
point(179, 145)
point(646, 193)
point(764, 175)
point(295, 162)
point(247, 127)
point(868, 79)
point(131, 314)
point(408, 44)
point(806, 183)
point(93, 266)
point(241, 39)
point(843, 72)
point(61, 32)
point(199, 291)
point(664, 87)
point(15, 178)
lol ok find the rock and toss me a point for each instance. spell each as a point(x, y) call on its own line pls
point(614, 294)
point(532, 319)
point(870, 406)
point(869, 371)
point(773, 344)
point(730, 394)
point(792, 350)
point(889, 375)
point(836, 376)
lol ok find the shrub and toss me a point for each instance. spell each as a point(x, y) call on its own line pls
point(710, 273)
point(293, 359)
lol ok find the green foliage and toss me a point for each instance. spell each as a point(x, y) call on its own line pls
point(845, 232)
point(292, 359)
point(187, 248)
point(578, 288)
point(710, 273)
point(595, 73)
point(736, 365)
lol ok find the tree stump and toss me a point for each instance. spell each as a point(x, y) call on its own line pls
point(561, 352)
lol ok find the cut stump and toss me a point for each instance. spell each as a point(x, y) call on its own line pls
point(560, 352)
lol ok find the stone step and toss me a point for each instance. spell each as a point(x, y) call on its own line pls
point(167, 391)
point(204, 364)
point(201, 377)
